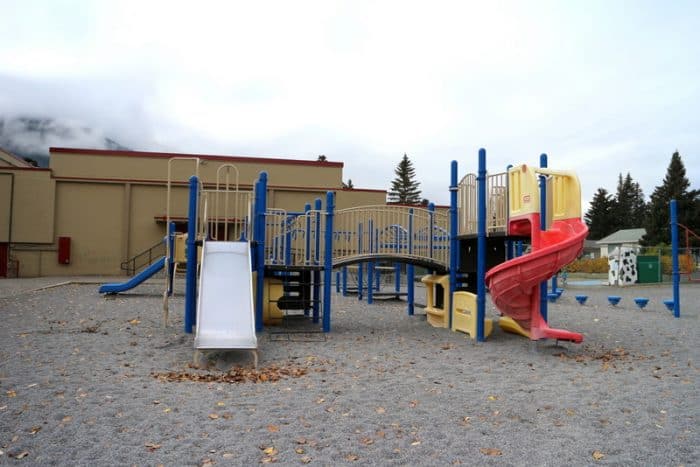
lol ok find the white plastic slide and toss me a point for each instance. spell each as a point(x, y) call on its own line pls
point(225, 311)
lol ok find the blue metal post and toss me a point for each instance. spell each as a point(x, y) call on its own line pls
point(171, 257)
point(288, 241)
point(317, 233)
point(481, 246)
point(518, 248)
point(307, 234)
point(316, 273)
point(360, 279)
point(410, 288)
point(328, 262)
point(191, 272)
point(509, 243)
point(454, 243)
point(431, 229)
point(674, 256)
point(337, 282)
point(543, 227)
point(370, 264)
point(259, 236)
point(397, 277)
point(345, 281)
point(410, 271)
point(377, 272)
point(307, 242)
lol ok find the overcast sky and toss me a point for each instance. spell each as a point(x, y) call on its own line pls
point(602, 87)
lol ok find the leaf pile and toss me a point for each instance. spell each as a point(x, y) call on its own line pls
point(604, 356)
point(270, 374)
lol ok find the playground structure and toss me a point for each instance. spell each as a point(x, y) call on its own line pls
point(293, 254)
point(258, 265)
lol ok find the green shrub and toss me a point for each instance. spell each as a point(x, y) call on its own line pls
point(587, 265)
point(685, 264)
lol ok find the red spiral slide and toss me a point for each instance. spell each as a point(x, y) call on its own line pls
point(515, 284)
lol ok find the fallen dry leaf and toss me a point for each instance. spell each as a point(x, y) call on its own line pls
point(351, 457)
point(135, 321)
point(305, 459)
point(270, 450)
point(35, 429)
point(153, 446)
point(11, 393)
point(213, 416)
point(21, 455)
point(491, 451)
point(235, 375)
point(367, 441)
point(492, 398)
point(380, 410)
point(273, 428)
point(299, 450)
point(597, 455)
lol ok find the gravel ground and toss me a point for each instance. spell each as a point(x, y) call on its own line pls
point(79, 386)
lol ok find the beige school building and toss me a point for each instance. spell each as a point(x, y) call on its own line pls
point(91, 210)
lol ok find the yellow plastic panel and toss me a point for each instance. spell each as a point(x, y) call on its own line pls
point(179, 253)
point(464, 315)
point(523, 190)
point(510, 325)
point(273, 289)
point(437, 317)
point(565, 193)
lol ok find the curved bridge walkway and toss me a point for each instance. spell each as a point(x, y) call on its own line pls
point(405, 234)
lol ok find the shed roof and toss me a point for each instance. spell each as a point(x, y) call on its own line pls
point(623, 236)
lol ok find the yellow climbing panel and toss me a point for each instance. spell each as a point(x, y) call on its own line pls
point(437, 299)
point(510, 325)
point(464, 317)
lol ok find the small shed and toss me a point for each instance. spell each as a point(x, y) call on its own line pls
point(591, 250)
point(624, 238)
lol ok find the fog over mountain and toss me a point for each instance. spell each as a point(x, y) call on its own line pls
point(31, 136)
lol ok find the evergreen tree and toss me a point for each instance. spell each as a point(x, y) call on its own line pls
point(629, 208)
point(640, 208)
point(599, 216)
point(404, 188)
point(675, 186)
point(348, 185)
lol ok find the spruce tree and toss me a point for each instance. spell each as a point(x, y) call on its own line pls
point(629, 208)
point(640, 208)
point(599, 216)
point(675, 186)
point(404, 188)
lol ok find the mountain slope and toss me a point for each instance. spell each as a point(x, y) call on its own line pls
point(31, 137)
